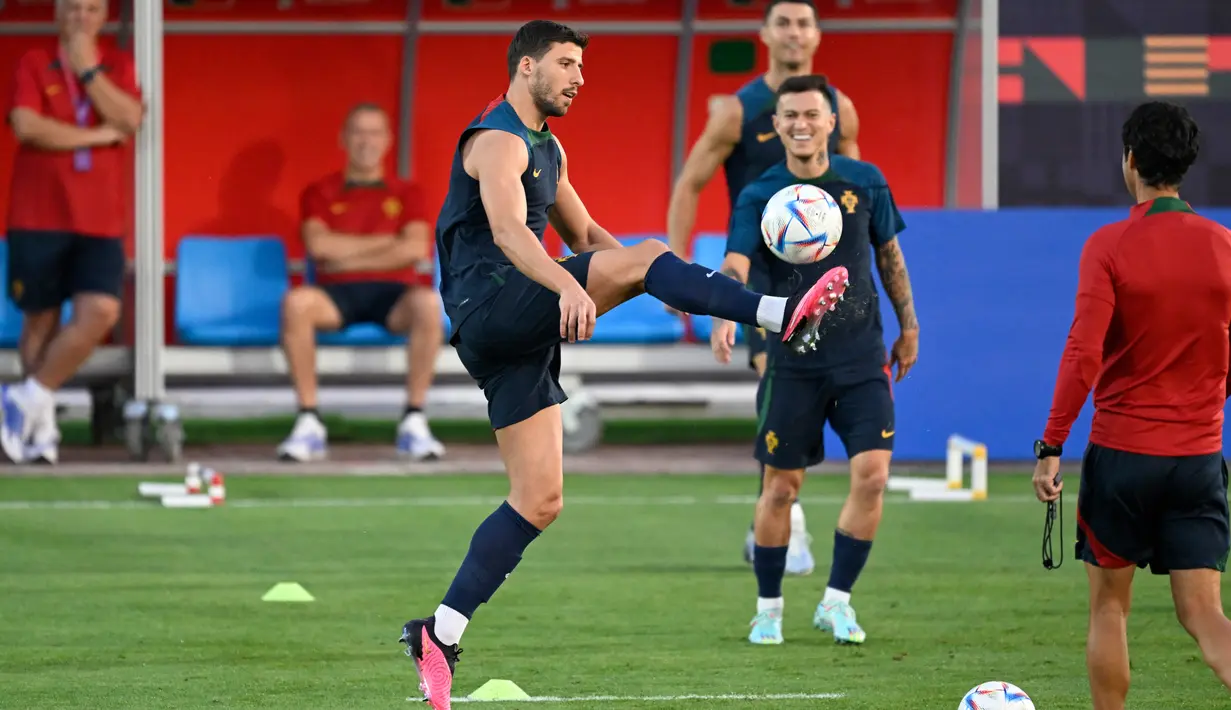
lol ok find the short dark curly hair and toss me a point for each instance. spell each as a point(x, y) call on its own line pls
point(535, 38)
point(1164, 140)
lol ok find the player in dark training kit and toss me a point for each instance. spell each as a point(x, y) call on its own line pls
point(845, 379)
point(512, 306)
point(1152, 335)
point(740, 137)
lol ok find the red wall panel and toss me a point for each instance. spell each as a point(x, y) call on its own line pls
point(833, 9)
point(617, 134)
point(553, 9)
point(249, 128)
point(899, 84)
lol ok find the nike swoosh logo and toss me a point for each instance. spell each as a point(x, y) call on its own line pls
point(709, 274)
point(762, 137)
point(536, 172)
point(886, 434)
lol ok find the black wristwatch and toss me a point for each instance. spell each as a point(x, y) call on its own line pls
point(1043, 450)
point(88, 75)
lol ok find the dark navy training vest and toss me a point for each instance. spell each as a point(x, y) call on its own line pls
point(472, 267)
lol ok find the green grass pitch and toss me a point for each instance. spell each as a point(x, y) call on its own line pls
point(638, 591)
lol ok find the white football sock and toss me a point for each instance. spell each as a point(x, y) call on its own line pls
point(833, 595)
point(764, 604)
point(771, 311)
point(450, 625)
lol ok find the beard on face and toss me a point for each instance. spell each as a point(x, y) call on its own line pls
point(544, 101)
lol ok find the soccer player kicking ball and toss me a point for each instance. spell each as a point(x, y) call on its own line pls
point(1151, 329)
point(512, 305)
point(845, 380)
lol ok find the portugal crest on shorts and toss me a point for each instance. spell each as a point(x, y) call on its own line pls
point(392, 207)
point(771, 441)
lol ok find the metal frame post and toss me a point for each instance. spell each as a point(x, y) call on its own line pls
point(683, 88)
point(989, 26)
point(957, 97)
point(150, 305)
point(406, 100)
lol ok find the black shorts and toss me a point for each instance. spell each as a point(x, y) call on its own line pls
point(46, 269)
point(1168, 512)
point(756, 339)
point(365, 302)
point(793, 408)
point(510, 345)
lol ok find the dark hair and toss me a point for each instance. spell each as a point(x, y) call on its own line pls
point(534, 39)
point(775, 3)
point(804, 84)
point(1164, 141)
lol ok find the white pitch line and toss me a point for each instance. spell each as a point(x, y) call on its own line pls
point(451, 502)
point(655, 698)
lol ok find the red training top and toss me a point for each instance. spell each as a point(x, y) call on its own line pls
point(47, 193)
point(1150, 334)
point(367, 210)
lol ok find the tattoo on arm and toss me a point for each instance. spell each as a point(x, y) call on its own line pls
point(892, 267)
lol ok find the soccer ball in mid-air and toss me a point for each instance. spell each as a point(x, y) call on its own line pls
point(996, 695)
point(801, 224)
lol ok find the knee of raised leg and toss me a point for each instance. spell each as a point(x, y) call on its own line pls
point(782, 487)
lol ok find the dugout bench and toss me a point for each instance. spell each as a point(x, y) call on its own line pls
point(228, 293)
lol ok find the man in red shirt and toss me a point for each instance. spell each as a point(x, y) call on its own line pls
point(370, 243)
point(1151, 335)
point(72, 106)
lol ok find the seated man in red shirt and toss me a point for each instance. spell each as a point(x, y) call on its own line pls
point(370, 243)
point(72, 106)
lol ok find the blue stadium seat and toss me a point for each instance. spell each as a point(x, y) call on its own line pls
point(228, 290)
point(641, 320)
point(709, 250)
point(10, 317)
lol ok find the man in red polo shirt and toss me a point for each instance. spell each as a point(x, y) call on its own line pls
point(370, 243)
point(72, 107)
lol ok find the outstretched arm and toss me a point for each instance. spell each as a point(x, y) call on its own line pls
point(497, 160)
point(572, 221)
point(717, 140)
point(884, 228)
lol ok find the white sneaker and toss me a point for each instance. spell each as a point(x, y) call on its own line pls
point(799, 559)
point(309, 441)
point(22, 411)
point(415, 440)
point(44, 446)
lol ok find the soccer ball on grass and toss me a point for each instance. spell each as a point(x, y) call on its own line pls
point(801, 224)
point(996, 695)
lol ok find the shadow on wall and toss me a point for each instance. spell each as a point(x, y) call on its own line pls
point(995, 293)
point(246, 194)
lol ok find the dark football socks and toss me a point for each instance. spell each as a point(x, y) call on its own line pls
point(694, 289)
point(495, 550)
point(769, 564)
point(849, 557)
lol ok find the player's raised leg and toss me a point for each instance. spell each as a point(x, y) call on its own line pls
point(616, 275)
